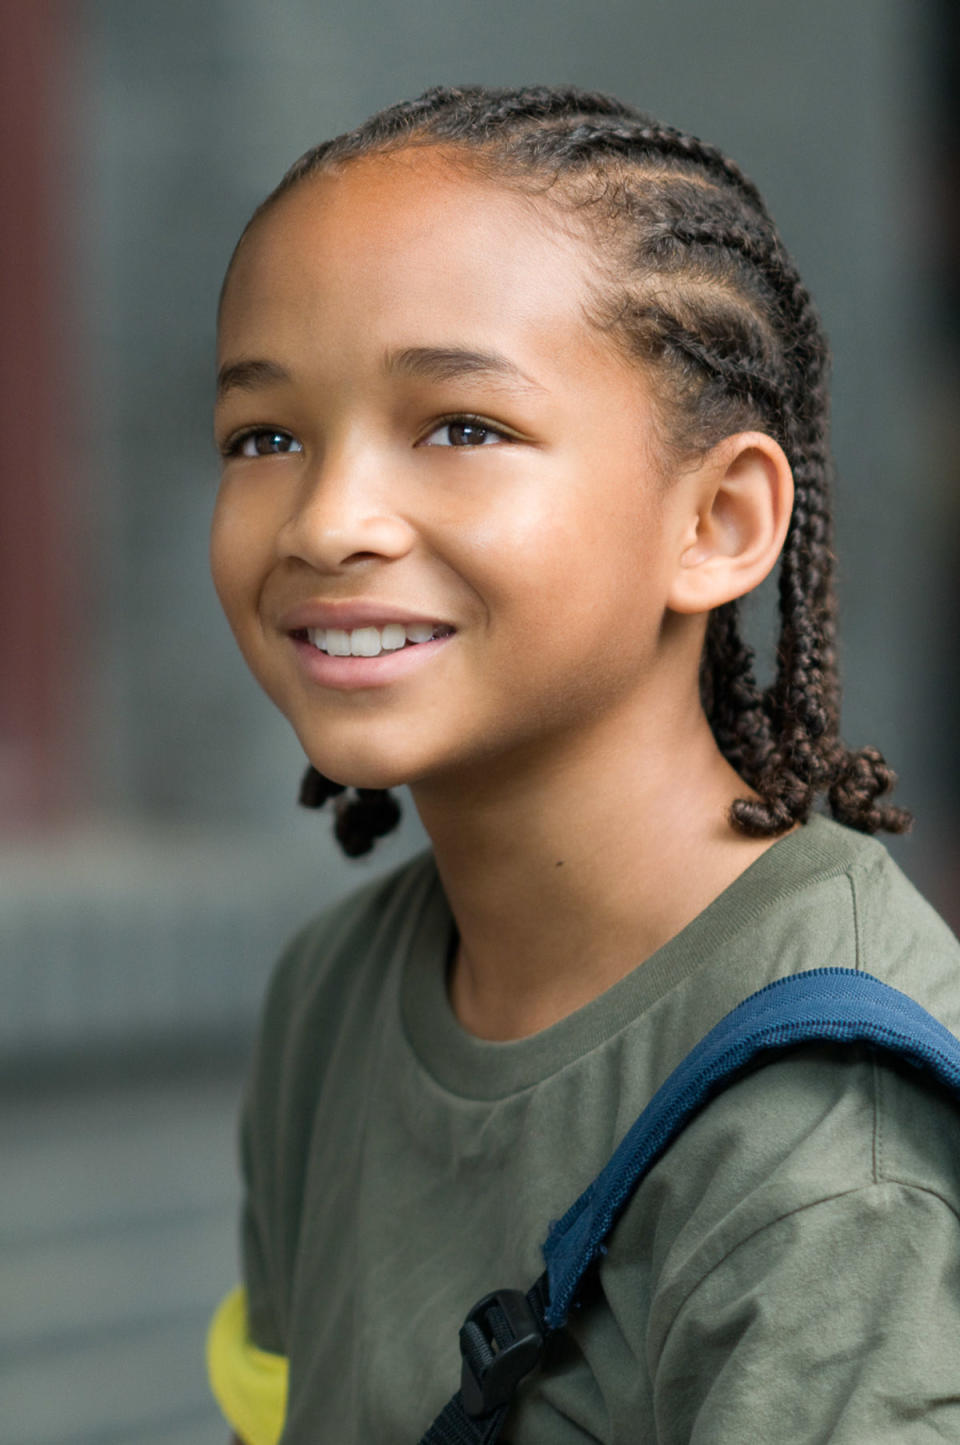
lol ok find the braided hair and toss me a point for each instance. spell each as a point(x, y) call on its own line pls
point(698, 288)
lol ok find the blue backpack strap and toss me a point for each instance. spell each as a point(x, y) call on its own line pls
point(826, 1005)
point(504, 1334)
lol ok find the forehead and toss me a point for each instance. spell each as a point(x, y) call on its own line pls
point(413, 238)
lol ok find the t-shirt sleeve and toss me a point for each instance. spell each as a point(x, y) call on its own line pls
point(839, 1321)
point(257, 1249)
point(264, 1226)
point(813, 1290)
point(246, 1356)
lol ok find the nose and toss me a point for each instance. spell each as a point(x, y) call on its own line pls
point(344, 515)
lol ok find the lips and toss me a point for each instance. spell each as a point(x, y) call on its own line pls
point(373, 655)
point(371, 641)
point(350, 615)
point(362, 643)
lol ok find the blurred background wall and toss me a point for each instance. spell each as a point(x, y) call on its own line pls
point(152, 859)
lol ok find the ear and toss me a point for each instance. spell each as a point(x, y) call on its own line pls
point(735, 510)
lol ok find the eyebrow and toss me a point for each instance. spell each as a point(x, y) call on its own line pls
point(431, 363)
point(249, 374)
point(449, 363)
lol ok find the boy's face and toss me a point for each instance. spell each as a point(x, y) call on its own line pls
point(425, 437)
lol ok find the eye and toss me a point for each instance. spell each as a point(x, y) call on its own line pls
point(463, 431)
point(263, 441)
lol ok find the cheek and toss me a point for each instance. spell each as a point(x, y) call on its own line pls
point(576, 560)
point(237, 551)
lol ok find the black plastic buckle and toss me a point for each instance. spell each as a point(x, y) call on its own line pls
point(500, 1342)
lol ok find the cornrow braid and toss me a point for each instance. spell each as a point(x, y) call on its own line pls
point(803, 700)
point(698, 287)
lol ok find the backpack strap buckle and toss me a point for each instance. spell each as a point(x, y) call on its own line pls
point(501, 1341)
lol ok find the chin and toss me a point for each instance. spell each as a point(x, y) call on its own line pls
point(354, 771)
point(356, 779)
point(356, 758)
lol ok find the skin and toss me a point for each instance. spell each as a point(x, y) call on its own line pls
point(555, 744)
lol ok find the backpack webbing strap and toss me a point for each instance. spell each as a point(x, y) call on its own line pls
point(831, 1005)
point(501, 1341)
point(453, 1426)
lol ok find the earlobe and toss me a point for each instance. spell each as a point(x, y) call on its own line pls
point(740, 500)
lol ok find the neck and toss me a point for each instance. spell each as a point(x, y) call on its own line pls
point(566, 870)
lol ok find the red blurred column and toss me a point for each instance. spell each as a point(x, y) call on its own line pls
point(39, 631)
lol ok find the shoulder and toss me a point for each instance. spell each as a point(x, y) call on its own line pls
point(824, 1139)
point(815, 1204)
point(894, 932)
point(820, 1121)
point(901, 939)
point(828, 896)
point(822, 897)
point(812, 1206)
point(329, 983)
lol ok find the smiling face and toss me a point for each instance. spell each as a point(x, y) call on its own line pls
point(433, 460)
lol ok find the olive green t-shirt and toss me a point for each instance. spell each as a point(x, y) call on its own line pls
point(789, 1271)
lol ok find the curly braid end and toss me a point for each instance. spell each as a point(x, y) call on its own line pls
point(360, 819)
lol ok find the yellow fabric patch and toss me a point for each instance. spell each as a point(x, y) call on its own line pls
point(249, 1385)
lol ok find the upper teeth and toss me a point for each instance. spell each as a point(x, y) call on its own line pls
point(369, 641)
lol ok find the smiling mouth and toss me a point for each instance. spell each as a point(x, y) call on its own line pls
point(371, 641)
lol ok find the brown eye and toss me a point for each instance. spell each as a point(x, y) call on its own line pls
point(264, 442)
point(463, 432)
point(467, 434)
